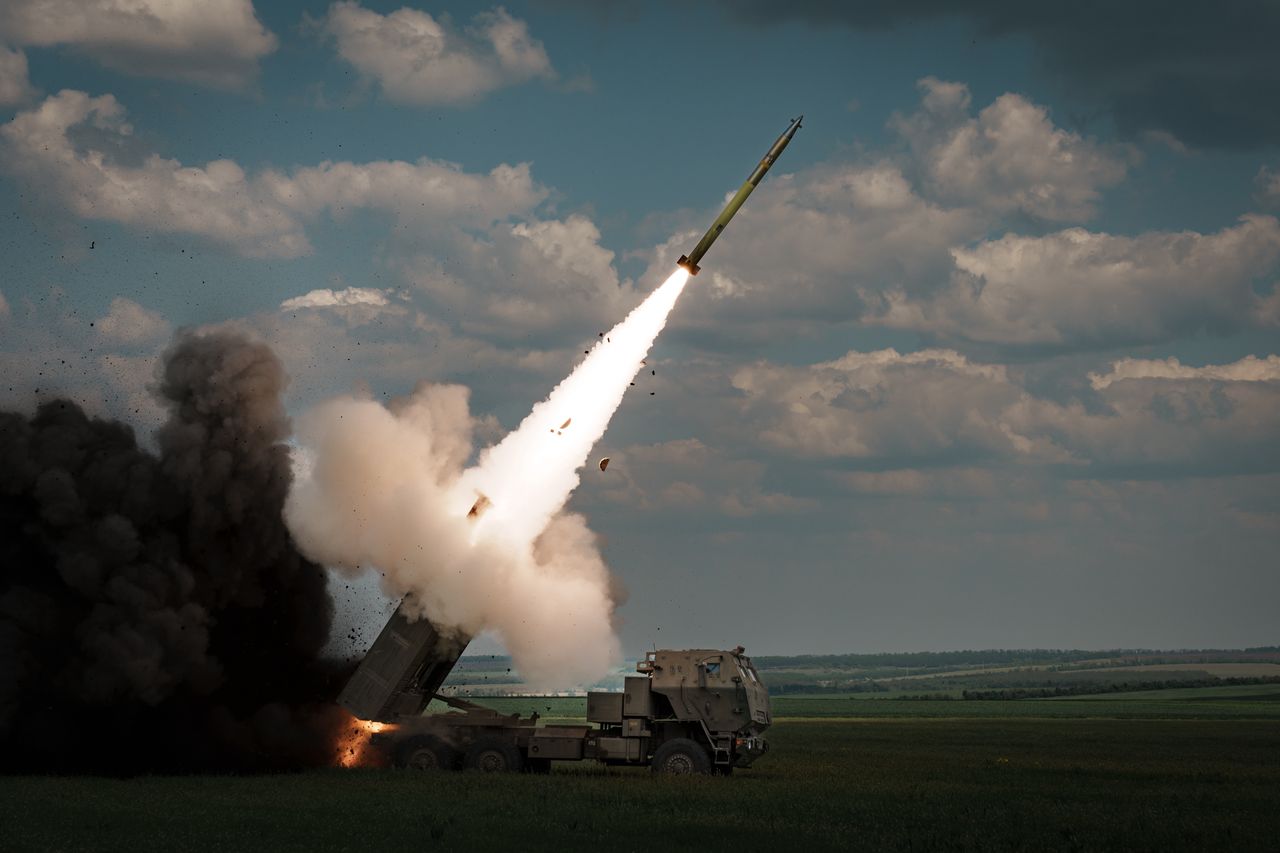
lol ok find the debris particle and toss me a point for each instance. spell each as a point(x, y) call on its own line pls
point(604, 463)
point(566, 423)
point(478, 508)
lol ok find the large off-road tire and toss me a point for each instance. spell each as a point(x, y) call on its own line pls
point(493, 755)
point(424, 752)
point(681, 757)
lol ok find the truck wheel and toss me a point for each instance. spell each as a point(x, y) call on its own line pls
point(681, 757)
point(493, 755)
point(423, 752)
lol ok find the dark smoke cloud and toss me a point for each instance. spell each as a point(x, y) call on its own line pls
point(154, 614)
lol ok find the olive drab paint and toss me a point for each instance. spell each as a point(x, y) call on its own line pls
point(690, 261)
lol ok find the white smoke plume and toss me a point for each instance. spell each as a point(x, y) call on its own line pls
point(385, 488)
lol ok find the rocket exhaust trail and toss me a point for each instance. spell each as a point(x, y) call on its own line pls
point(528, 476)
point(524, 480)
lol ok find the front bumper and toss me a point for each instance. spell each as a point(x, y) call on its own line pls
point(748, 749)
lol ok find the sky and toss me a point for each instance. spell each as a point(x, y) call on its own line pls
point(990, 359)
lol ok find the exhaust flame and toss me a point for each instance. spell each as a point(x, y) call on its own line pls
point(490, 547)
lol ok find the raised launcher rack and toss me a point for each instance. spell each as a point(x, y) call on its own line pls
point(402, 670)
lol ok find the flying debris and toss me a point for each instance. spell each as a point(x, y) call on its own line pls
point(566, 423)
point(477, 509)
point(604, 463)
point(690, 261)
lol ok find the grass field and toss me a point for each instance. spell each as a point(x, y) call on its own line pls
point(1088, 781)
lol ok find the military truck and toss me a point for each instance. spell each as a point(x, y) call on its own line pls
point(689, 711)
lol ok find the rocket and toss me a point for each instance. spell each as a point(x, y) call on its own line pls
point(690, 261)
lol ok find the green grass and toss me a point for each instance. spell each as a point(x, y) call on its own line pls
point(891, 784)
point(1148, 706)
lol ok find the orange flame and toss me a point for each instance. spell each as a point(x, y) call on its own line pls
point(352, 748)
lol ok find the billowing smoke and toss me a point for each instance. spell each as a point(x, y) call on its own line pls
point(490, 547)
point(154, 613)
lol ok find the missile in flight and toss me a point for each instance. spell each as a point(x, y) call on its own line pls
point(690, 261)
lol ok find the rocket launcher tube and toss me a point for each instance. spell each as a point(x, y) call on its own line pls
point(690, 261)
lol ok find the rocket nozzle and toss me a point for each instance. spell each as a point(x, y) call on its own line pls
point(688, 264)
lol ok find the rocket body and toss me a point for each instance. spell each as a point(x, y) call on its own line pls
point(690, 261)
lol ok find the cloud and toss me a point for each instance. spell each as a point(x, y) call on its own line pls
point(685, 475)
point(1248, 369)
point(1009, 158)
point(79, 151)
point(1206, 77)
point(426, 191)
point(128, 324)
point(328, 298)
point(217, 201)
point(15, 87)
point(416, 59)
point(925, 405)
point(828, 242)
point(809, 243)
point(1077, 288)
point(539, 278)
point(1268, 181)
point(935, 408)
point(215, 43)
point(473, 245)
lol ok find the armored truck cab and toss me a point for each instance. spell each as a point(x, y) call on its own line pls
point(690, 711)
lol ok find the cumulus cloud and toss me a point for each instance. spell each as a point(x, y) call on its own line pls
point(1010, 157)
point(925, 404)
point(1077, 288)
point(217, 201)
point(1248, 369)
point(417, 59)
point(828, 242)
point(80, 152)
point(937, 408)
point(472, 244)
point(685, 475)
point(808, 242)
point(211, 42)
point(15, 86)
point(329, 298)
point(129, 324)
point(539, 278)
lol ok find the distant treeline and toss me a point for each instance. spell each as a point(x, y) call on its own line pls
point(1096, 688)
point(999, 657)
